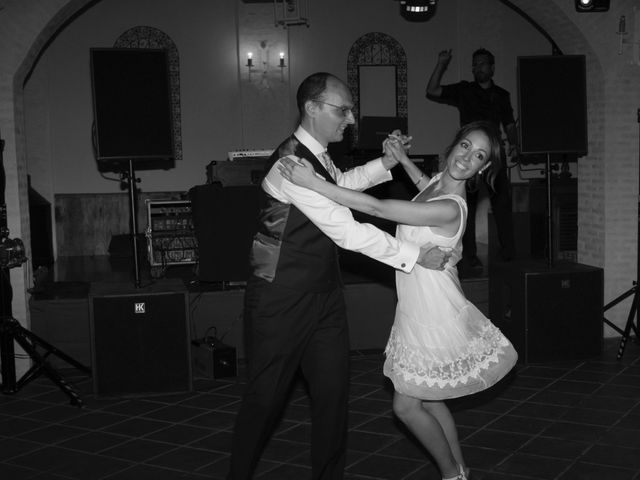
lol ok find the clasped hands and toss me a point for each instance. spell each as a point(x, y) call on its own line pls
point(394, 149)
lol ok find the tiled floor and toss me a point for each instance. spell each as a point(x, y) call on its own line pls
point(574, 420)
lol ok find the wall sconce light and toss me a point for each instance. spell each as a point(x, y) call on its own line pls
point(265, 61)
point(634, 41)
point(622, 31)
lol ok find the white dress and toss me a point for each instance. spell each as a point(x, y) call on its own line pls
point(441, 346)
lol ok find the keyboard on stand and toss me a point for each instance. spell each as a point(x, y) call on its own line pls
point(237, 154)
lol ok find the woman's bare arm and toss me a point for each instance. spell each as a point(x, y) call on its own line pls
point(437, 213)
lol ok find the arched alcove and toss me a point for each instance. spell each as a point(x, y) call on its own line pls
point(377, 49)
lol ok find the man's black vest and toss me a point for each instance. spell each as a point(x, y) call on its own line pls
point(288, 249)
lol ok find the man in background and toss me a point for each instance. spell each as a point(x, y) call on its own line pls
point(481, 99)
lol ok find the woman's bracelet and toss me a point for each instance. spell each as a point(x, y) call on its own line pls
point(418, 181)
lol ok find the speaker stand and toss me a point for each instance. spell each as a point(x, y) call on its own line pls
point(133, 223)
point(632, 318)
point(630, 325)
point(10, 331)
point(549, 214)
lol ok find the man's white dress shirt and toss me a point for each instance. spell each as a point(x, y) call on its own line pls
point(335, 220)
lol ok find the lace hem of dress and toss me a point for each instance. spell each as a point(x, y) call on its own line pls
point(410, 363)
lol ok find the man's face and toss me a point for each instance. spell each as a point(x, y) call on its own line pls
point(482, 68)
point(333, 113)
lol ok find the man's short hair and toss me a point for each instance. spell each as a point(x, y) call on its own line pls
point(485, 52)
point(312, 88)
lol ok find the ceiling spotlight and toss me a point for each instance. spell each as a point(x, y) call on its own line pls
point(592, 5)
point(417, 10)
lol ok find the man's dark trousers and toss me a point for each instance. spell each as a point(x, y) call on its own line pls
point(286, 329)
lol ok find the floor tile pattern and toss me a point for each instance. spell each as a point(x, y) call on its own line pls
point(574, 420)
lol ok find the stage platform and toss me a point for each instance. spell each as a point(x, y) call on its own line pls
point(60, 305)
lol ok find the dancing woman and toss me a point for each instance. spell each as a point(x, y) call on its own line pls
point(441, 346)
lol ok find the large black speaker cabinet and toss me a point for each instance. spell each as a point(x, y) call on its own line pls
point(140, 338)
point(549, 313)
point(552, 104)
point(132, 105)
point(225, 220)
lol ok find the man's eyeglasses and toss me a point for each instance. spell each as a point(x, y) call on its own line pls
point(344, 110)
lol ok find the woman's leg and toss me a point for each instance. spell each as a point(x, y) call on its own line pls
point(441, 412)
point(428, 430)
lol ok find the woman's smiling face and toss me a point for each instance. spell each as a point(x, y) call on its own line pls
point(469, 155)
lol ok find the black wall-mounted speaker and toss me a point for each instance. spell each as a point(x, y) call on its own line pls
point(548, 313)
point(552, 104)
point(132, 104)
point(140, 338)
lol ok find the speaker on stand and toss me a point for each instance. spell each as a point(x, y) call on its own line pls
point(132, 108)
point(551, 311)
point(552, 83)
point(133, 119)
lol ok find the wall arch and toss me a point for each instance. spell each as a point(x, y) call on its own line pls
point(33, 25)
